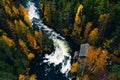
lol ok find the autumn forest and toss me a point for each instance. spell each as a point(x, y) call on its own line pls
point(96, 22)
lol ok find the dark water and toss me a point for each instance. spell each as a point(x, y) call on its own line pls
point(45, 71)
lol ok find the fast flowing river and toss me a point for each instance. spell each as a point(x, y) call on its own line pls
point(54, 66)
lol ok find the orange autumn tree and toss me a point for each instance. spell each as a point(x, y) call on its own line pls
point(18, 29)
point(33, 77)
point(6, 4)
point(93, 36)
point(87, 29)
point(92, 55)
point(76, 28)
point(23, 46)
point(96, 59)
point(24, 14)
point(85, 77)
point(9, 41)
point(101, 61)
point(15, 11)
point(27, 77)
point(8, 10)
point(21, 77)
point(74, 67)
point(11, 27)
point(21, 24)
point(103, 18)
point(78, 78)
point(47, 12)
point(30, 56)
point(22, 27)
point(39, 37)
point(32, 41)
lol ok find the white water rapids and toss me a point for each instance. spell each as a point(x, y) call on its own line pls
point(61, 55)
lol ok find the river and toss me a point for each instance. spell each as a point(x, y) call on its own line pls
point(56, 65)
